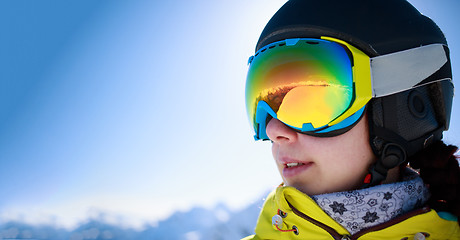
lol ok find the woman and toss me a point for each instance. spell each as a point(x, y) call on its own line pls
point(352, 92)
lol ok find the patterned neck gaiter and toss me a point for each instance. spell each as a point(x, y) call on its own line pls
point(364, 208)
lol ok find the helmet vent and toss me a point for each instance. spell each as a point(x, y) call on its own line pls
point(417, 104)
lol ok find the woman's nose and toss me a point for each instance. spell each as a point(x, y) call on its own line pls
point(279, 132)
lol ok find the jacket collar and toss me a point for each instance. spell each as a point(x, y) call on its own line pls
point(297, 210)
point(299, 214)
point(288, 197)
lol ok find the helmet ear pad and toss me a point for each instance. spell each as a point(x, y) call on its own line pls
point(400, 125)
point(411, 119)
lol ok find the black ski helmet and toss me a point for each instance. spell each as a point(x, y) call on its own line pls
point(400, 124)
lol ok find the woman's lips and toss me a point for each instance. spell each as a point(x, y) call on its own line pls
point(292, 169)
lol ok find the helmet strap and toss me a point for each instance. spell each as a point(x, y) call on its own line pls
point(390, 148)
point(392, 156)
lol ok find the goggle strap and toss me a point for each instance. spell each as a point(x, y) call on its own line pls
point(400, 71)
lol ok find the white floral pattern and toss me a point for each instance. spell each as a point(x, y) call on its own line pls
point(364, 208)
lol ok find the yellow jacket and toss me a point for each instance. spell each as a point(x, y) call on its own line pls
point(302, 218)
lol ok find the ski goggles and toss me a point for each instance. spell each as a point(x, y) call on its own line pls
point(320, 87)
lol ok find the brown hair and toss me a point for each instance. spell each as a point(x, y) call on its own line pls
point(439, 169)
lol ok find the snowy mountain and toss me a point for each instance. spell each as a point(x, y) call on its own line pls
point(218, 223)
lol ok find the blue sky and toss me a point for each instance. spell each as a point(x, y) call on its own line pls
point(137, 108)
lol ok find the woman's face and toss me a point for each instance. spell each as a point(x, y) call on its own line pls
point(317, 165)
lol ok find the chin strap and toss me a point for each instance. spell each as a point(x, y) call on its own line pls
point(392, 155)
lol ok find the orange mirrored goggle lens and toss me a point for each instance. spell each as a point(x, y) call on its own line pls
point(306, 83)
